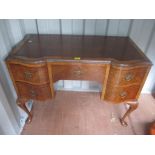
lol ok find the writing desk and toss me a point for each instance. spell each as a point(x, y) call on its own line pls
point(115, 62)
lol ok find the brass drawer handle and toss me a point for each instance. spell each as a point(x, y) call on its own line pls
point(77, 72)
point(129, 77)
point(33, 93)
point(27, 75)
point(123, 94)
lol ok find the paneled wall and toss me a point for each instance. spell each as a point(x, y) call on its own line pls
point(12, 31)
point(143, 34)
point(78, 26)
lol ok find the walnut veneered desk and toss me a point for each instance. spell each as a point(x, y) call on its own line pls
point(116, 62)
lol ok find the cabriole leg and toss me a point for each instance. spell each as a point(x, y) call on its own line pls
point(21, 103)
point(133, 106)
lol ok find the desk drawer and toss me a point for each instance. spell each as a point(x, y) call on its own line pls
point(92, 72)
point(125, 76)
point(37, 92)
point(36, 74)
point(120, 94)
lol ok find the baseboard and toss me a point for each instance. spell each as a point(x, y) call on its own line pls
point(77, 89)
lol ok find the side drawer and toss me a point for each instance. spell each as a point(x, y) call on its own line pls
point(37, 92)
point(121, 94)
point(125, 75)
point(92, 72)
point(35, 74)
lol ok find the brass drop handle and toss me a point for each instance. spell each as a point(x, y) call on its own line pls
point(33, 93)
point(77, 72)
point(27, 75)
point(129, 77)
point(123, 94)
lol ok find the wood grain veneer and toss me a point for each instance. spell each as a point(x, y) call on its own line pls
point(78, 71)
point(37, 92)
point(127, 75)
point(116, 62)
point(118, 94)
point(31, 74)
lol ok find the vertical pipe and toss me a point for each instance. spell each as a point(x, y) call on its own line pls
point(36, 21)
point(107, 27)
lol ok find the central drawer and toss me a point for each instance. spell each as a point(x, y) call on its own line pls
point(66, 71)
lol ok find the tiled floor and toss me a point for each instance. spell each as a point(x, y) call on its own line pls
point(78, 113)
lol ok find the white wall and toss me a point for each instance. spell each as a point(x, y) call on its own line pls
point(150, 83)
point(8, 122)
point(12, 31)
point(143, 34)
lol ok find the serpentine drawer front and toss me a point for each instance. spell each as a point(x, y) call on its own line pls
point(127, 75)
point(27, 73)
point(115, 62)
point(37, 92)
point(120, 94)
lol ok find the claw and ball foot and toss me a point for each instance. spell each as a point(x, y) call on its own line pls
point(133, 106)
point(21, 103)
